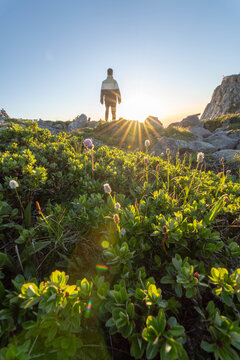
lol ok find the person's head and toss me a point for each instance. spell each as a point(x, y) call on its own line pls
point(110, 71)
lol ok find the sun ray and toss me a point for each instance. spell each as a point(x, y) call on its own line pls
point(124, 125)
point(130, 123)
point(146, 130)
point(139, 136)
point(151, 128)
point(107, 128)
point(134, 133)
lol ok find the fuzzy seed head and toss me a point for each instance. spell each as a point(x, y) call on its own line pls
point(228, 172)
point(88, 143)
point(117, 206)
point(147, 143)
point(145, 160)
point(158, 167)
point(107, 188)
point(200, 157)
point(221, 175)
point(13, 184)
point(116, 219)
point(222, 160)
point(168, 151)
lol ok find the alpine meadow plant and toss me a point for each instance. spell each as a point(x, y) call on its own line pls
point(156, 266)
point(147, 144)
point(200, 159)
point(90, 146)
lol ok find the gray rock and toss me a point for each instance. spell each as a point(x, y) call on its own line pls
point(173, 144)
point(200, 131)
point(201, 146)
point(3, 115)
point(221, 141)
point(153, 121)
point(180, 145)
point(225, 98)
point(59, 126)
point(175, 124)
point(220, 130)
point(228, 155)
point(78, 123)
point(192, 120)
point(92, 124)
point(235, 135)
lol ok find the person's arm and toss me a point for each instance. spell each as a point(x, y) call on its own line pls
point(118, 94)
point(101, 95)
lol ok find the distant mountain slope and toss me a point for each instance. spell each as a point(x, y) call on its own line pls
point(225, 98)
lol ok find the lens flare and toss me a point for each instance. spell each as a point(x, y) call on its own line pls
point(101, 267)
point(88, 310)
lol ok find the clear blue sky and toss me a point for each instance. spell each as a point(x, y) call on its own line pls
point(167, 56)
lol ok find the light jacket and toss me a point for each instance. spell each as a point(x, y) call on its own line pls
point(110, 91)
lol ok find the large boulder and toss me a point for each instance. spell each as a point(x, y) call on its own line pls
point(192, 120)
point(181, 146)
point(189, 121)
point(92, 124)
point(225, 98)
point(200, 131)
point(221, 141)
point(78, 123)
point(228, 155)
point(173, 144)
point(201, 146)
point(153, 122)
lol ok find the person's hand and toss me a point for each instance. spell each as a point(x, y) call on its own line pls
point(119, 101)
point(101, 102)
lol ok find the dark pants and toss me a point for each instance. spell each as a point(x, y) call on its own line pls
point(113, 110)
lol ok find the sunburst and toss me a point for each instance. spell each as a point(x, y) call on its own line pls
point(130, 123)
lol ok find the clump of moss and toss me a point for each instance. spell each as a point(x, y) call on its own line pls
point(179, 133)
point(232, 121)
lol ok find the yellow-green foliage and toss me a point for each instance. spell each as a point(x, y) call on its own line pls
point(155, 240)
point(233, 122)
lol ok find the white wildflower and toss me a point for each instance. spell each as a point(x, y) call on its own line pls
point(118, 206)
point(200, 157)
point(147, 143)
point(13, 184)
point(107, 188)
point(145, 160)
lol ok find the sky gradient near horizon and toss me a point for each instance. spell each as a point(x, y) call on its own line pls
point(167, 56)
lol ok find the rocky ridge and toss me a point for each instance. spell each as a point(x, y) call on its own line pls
point(225, 98)
point(220, 143)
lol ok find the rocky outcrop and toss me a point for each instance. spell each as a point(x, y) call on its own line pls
point(56, 127)
point(201, 146)
point(153, 122)
point(189, 121)
point(181, 146)
point(222, 141)
point(225, 98)
point(200, 131)
point(3, 115)
point(192, 120)
point(78, 123)
point(228, 155)
point(165, 143)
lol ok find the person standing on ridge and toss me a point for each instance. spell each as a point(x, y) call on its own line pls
point(111, 94)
